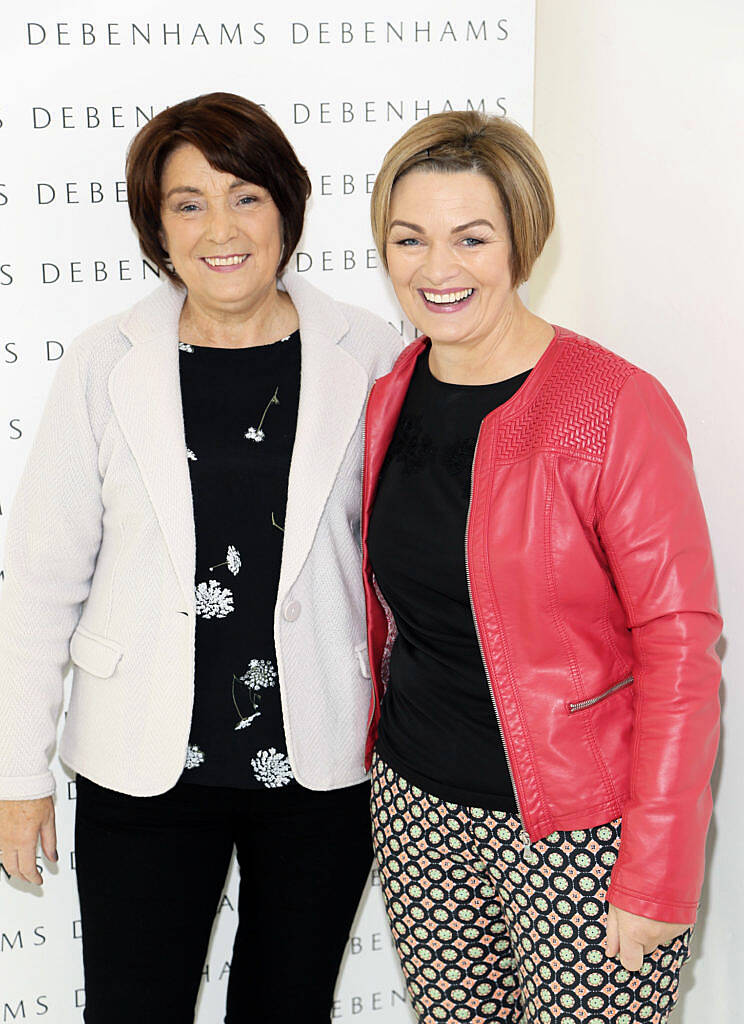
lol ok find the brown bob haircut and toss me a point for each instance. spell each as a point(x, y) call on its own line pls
point(467, 140)
point(235, 136)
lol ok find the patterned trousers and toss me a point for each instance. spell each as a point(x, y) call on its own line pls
point(488, 929)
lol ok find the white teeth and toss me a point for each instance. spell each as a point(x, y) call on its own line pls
point(444, 298)
point(224, 261)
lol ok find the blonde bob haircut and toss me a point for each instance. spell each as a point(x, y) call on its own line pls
point(467, 140)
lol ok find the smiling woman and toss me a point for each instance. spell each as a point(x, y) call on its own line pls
point(206, 448)
point(548, 725)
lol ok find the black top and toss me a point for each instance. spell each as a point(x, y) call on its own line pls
point(240, 416)
point(438, 726)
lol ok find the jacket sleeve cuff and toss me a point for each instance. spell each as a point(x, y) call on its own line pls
point(656, 910)
point(27, 787)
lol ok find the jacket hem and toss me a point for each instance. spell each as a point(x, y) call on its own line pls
point(582, 817)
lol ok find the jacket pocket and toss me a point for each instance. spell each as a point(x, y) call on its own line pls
point(581, 705)
point(94, 654)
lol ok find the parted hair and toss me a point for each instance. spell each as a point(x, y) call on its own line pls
point(468, 140)
point(235, 136)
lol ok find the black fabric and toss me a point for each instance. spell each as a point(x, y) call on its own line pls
point(240, 417)
point(150, 873)
point(438, 727)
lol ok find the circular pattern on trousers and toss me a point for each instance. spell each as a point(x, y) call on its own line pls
point(482, 925)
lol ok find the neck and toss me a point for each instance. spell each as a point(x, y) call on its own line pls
point(514, 344)
point(267, 319)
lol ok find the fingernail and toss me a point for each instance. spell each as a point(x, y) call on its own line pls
point(56, 856)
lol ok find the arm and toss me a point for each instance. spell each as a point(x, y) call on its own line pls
point(53, 537)
point(652, 527)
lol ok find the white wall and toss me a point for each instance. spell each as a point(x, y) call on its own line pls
point(638, 110)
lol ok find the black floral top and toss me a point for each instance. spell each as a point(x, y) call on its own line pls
point(240, 416)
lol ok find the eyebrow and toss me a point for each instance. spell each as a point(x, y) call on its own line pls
point(460, 227)
point(191, 190)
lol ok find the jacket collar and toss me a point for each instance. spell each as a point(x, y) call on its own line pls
point(146, 397)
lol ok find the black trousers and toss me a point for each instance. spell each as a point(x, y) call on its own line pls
point(150, 874)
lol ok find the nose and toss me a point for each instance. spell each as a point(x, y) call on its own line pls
point(440, 265)
point(221, 227)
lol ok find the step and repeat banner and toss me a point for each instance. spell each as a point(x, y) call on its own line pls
point(78, 80)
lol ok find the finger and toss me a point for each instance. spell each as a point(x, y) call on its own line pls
point(612, 938)
point(10, 863)
point(27, 865)
point(48, 833)
point(631, 953)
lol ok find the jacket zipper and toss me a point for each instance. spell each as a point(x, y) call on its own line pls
point(580, 705)
point(361, 527)
point(524, 834)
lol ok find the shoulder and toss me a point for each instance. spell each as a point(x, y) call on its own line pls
point(369, 332)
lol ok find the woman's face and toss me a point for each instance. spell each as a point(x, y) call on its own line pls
point(223, 235)
point(448, 252)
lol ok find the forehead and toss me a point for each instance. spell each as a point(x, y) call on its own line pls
point(436, 195)
point(188, 166)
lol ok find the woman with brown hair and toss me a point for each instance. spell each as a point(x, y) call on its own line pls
point(541, 619)
point(186, 532)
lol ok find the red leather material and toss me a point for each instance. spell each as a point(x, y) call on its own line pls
point(589, 562)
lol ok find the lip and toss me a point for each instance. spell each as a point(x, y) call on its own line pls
point(445, 307)
point(231, 268)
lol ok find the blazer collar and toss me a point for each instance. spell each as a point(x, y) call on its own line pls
point(146, 397)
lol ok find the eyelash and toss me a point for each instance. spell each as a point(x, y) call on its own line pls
point(191, 207)
point(404, 242)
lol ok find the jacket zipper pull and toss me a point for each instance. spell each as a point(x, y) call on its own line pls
point(525, 840)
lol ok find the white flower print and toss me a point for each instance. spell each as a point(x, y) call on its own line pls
point(256, 433)
point(232, 561)
point(190, 455)
point(194, 756)
point(184, 347)
point(260, 675)
point(212, 601)
point(272, 768)
point(245, 722)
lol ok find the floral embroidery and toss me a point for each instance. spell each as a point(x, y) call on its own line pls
point(256, 433)
point(184, 347)
point(194, 756)
point(212, 601)
point(272, 768)
point(260, 675)
point(190, 455)
point(232, 561)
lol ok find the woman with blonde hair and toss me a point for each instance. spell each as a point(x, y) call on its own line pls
point(541, 619)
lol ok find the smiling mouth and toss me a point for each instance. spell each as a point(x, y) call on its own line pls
point(452, 298)
point(225, 261)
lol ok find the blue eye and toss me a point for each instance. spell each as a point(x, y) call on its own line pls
point(471, 243)
point(188, 207)
point(246, 200)
point(407, 242)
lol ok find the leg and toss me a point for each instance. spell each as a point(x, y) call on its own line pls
point(554, 896)
point(447, 923)
point(304, 857)
point(149, 872)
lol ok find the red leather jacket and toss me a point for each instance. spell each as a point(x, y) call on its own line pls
point(592, 588)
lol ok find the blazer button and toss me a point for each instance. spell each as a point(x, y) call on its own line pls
point(292, 611)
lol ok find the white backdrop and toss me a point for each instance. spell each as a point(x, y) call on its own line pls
point(638, 110)
point(77, 81)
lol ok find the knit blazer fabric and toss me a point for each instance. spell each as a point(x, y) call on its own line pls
point(100, 557)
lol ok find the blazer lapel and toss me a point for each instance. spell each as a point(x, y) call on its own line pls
point(333, 391)
point(145, 393)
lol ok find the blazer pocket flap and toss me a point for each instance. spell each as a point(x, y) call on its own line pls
point(94, 654)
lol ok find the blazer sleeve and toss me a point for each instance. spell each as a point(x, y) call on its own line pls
point(652, 526)
point(52, 541)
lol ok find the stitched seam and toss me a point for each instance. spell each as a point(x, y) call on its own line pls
point(650, 899)
point(564, 638)
point(507, 660)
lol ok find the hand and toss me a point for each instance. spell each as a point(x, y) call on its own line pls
point(22, 822)
point(631, 936)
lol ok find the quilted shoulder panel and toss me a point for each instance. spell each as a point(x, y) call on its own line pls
point(571, 411)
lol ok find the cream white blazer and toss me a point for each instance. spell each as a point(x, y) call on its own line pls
point(100, 559)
